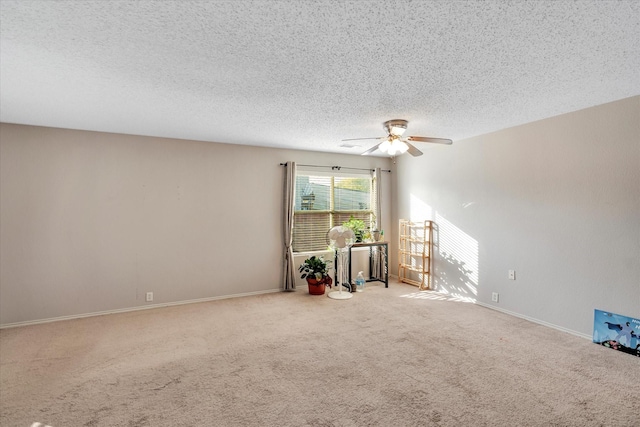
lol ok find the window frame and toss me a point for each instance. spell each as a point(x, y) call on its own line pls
point(333, 214)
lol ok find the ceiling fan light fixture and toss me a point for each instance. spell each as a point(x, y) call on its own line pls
point(393, 147)
point(402, 147)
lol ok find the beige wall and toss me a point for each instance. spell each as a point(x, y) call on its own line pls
point(91, 221)
point(557, 200)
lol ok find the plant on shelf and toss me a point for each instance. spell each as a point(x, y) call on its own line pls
point(316, 271)
point(358, 226)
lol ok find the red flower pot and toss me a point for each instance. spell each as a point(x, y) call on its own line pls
point(315, 287)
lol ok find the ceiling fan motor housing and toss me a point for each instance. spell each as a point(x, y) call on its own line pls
point(395, 127)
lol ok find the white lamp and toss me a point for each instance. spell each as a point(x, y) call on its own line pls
point(403, 147)
point(393, 146)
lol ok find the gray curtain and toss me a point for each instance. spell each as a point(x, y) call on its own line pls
point(377, 175)
point(378, 258)
point(289, 206)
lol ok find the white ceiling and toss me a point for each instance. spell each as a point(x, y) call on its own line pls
point(306, 74)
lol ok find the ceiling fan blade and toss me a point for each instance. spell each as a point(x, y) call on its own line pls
point(360, 139)
point(371, 150)
point(429, 139)
point(413, 150)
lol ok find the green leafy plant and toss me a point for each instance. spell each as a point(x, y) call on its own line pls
point(316, 268)
point(357, 226)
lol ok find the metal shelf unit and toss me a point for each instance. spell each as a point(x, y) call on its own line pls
point(414, 253)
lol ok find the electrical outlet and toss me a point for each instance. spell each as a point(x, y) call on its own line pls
point(512, 275)
point(494, 297)
point(149, 296)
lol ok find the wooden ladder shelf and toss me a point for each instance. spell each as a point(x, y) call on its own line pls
point(414, 253)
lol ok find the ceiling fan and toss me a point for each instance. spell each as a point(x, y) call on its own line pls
point(393, 143)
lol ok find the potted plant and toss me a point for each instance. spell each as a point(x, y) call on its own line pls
point(358, 226)
point(316, 271)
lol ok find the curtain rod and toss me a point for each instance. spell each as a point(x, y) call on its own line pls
point(340, 167)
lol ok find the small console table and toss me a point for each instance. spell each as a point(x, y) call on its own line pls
point(383, 249)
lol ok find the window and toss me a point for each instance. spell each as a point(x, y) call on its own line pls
point(326, 200)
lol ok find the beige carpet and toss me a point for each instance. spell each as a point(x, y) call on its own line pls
point(291, 359)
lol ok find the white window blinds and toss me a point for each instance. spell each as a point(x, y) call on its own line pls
point(326, 200)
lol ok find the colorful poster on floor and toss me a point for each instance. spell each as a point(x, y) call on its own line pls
point(616, 331)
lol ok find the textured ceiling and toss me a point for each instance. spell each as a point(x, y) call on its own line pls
point(306, 74)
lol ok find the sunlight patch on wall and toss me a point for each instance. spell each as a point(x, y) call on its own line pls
point(457, 259)
point(455, 263)
point(419, 210)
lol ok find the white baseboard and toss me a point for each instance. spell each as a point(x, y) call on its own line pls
point(126, 310)
point(193, 301)
point(531, 319)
